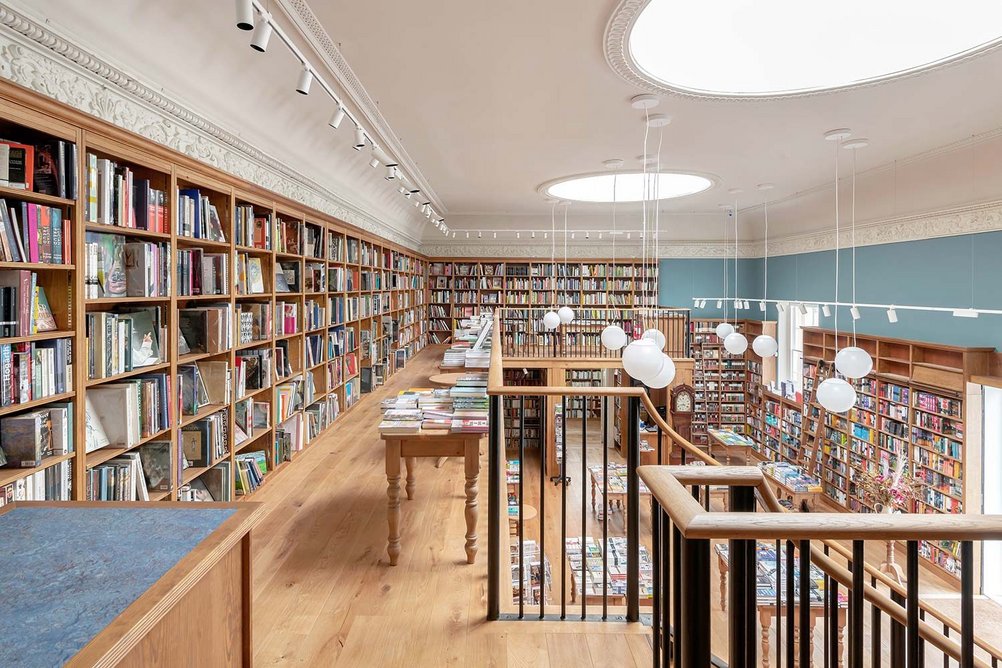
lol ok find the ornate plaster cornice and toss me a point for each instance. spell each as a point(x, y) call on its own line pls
point(616, 45)
point(36, 57)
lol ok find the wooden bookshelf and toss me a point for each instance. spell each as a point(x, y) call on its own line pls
point(349, 281)
point(913, 406)
point(720, 380)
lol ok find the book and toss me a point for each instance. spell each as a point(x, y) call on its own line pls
point(44, 321)
point(17, 165)
point(255, 277)
point(156, 460)
point(26, 439)
point(106, 262)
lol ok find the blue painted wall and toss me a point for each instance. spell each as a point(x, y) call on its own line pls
point(933, 272)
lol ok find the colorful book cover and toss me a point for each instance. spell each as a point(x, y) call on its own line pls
point(44, 322)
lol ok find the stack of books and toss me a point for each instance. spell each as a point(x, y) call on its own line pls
point(455, 356)
point(401, 421)
point(469, 400)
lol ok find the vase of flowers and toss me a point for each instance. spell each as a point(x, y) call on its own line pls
point(889, 492)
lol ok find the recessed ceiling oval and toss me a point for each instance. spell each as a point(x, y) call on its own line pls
point(744, 48)
point(624, 187)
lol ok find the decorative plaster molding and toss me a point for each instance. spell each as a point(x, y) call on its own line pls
point(34, 56)
point(616, 45)
point(972, 219)
point(300, 12)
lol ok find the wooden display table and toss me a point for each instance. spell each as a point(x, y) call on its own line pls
point(730, 443)
point(436, 444)
point(126, 583)
point(615, 497)
point(765, 565)
point(446, 379)
point(797, 496)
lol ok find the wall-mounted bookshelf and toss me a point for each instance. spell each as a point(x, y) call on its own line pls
point(226, 324)
point(720, 381)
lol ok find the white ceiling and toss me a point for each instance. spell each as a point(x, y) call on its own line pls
point(493, 99)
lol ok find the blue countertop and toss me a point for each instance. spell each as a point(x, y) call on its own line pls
point(68, 572)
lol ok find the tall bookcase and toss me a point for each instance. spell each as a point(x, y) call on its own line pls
point(720, 381)
point(344, 283)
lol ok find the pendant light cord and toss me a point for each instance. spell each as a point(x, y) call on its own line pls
point(566, 289)
point(735, 258)
point(645, 193)
point(656, 254)
point(853, 238)
point(553, 252)
point(836, 246)
point(765, 288)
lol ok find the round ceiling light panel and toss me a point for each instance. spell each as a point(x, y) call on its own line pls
point(630, 186)
point(741, 48)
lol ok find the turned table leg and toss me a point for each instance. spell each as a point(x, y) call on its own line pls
point(472, 477)
point(411, 462)
point(765, 619)
point(393, 494)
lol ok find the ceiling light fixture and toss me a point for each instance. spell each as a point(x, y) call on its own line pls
point(305, 80)
point(892, 315)
point(826, 310)
point(336, 117)
point(391, 170)
point(480, 235)
point(645, 101)
point(630, 186)
point(245, 15)
point(359, 138)
point(373, 163)
point(262, 34)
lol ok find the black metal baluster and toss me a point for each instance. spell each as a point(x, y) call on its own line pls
point(584, 500)
point(742, 591)
point(678, 628)
point(966, 604)
point(696, 612)
point(633, 512)
point(605, 509)
point(667, 637)
point(946, 657)
point(827, 606)
point(921, 653)
point(898, 650)
point(544, 427)
point(495, 445)
point(912, 603)
point(806, 646)
point(521, 498)
point(563, 511)
point(790, 606)
point(856, 607)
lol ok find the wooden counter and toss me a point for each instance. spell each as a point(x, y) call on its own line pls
point(126, 584)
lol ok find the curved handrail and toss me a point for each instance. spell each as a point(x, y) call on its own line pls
point(496, 386)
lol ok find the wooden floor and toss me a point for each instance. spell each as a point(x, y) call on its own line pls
point(326, 596)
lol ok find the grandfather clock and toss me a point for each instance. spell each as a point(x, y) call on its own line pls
point(682, 399)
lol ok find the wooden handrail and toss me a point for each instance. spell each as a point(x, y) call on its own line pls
point(496, 386)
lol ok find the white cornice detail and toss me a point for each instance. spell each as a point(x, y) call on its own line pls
point(34, 56)
point(310, 27)
point(970, 219)
point(616, 45)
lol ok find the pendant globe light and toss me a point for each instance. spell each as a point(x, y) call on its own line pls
point(724, 328)
point(835, 394)
point(565, 313)
point(613, 336)
point(852, 361)
point(735, 343)
point(765, 345)
point(551, 320)
point(665, 375)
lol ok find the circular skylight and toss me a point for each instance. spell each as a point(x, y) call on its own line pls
point(629, 186)
point(744, 47)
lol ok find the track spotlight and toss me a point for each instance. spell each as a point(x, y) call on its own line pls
point(533, 235)
point(373, 163)
point(467, 235)
point(261, 35)
point(305, 81)
point(826, 310)
point(518, 235)
point(892, 315)
point(413, 193)
point(417, 203)
point(245, 15)
point(391, 170)
point(965, 313)
point(803, 308)
point(337, 117)
point(403, 191)
point(720, 303)
point(761, 306)
point(627, 236)
point(359, 138)
point(855, 313)
point(780, 306)
point(480, 235)
point(599, 236)
point(546, 235)
point(587, 235)
point(738, 305)
point(495, 235)
point(453, 235)
point(572, 235)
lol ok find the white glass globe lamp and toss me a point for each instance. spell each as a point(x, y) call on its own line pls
point(664, 376)
point(551, 320)
point(765, 346)
point(724, 330)
point(613, 337)
point(853, 362)
point(735, 343)
point(566, 315)
point(657, 336)
point(836, 395)
point(642, 359)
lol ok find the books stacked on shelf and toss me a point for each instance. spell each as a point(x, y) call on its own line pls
point(250, 275)
point(24, 306)
point(255, 322)
point(288, 399)
point(250, 228)
point(287, 236)
point(34, 233)
point(35, 370)
point(118, 479)
point(213, 485)
point(122, 414)
point(27, 439)
point(50, 484)
point(205, 329)
point(252, 467)
point(115, 268)
point(436, 410)
point(156, 460)
point(470, 403)
point(204, 383)
point(253, 370)
point(288, 438)
point(321, 415)
point(202, 273)
point(198, 217)
point(204, 442)
point(791, 476)
point(250, 416)
point(286, 318)
point(48, 168)
point(116, 197)
point(122, 342)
